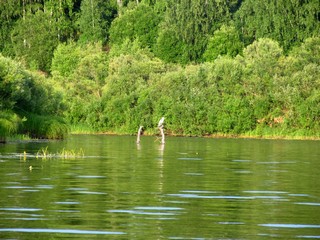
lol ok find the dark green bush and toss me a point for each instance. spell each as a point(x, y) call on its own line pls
point(44, 127)
point(9, 124)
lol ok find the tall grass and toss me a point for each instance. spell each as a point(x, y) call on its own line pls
point(283, 133)
point(9, 124)
point(48, 127)
point(81, 128)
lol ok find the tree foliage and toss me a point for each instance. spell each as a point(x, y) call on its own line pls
point(227, 67)
point(225, 41)
point(288, 22)
point(95, 20)
point(191, 22)
point(24, 94)
point(9, 123)
point(80, 72)
point(34, 39)
point(175, 31)
point(140, 23)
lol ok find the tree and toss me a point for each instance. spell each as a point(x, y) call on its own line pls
point(35, 38)
point(261, 57)
point(21, 90)
point(66, 59)
point(95, 19)
point(170, 48)
point(9, 11)
point(14, 84)
point(63, 13)
point(192, 22)
point(225, 41)
point(298, 86)
point(30, 29)
point(288, 22)
point(80, 71)
point(141, 23)
point(261, 61)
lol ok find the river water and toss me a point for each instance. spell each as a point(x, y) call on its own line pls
point(189, 188)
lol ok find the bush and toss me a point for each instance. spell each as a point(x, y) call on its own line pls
point(80, 72)
point(225, 41)
point(21, 90)
point(44, 127)
point(65, 59)
point(140, 23)
point(15, 83)
point(9, 124)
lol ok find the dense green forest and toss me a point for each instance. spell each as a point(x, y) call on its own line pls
point(211, 67)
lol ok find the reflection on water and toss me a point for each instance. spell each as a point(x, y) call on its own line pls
point(189, 188)
point(69, 231)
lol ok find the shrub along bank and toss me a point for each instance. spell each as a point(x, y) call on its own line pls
point(261, 92)
point(28, 104)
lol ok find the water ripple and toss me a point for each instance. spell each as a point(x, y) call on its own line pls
point(141, 212)
point(21, 209)
point(283, 225)
point(67, 203)
point(276, 162)
point(309, 237)
point(90, 192)
point(159, 208)
point(197, 191)
point(299, 195)
point(27, 219)
point(189, 195)
point(190, 158)
point(231, 223)
point(89, 176)
point(69, 231)
point(150, 210)
point(194, 174)
point(241, 160)
point(308, 203)
point(45, 186)
point(76, 189)
point(17, 187)
point(186, 194)
point(266, 192)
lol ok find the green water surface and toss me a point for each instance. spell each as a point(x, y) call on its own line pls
point(189, 188)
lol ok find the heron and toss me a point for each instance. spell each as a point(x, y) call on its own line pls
point(160, 124)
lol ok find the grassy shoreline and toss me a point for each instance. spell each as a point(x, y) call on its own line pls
point(250, 135)
point(265, 133)
point(19, 137)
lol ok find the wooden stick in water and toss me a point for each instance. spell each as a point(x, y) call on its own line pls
point(139, 134)
point(161, 128)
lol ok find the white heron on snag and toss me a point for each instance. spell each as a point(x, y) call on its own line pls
point(161, 122)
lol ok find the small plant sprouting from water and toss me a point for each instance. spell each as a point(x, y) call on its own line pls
point(71, 153)
point(43, 153)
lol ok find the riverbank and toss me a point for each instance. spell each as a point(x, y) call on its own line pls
point(267, 133)
point(18, 137)
point(255, 95)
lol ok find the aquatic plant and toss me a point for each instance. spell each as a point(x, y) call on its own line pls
point(44, 154)
point(71, 153)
